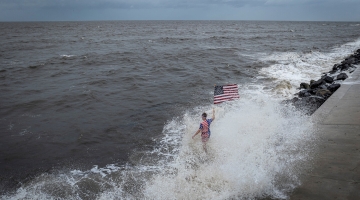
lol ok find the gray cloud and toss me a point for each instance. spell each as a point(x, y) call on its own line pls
point(124, 3)
point(161, 3)
point(180, 9)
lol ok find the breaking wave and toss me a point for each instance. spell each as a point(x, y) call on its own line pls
point(257, 148)
point(292, 68)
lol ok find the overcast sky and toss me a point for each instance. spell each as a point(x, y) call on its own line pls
point(73, 10)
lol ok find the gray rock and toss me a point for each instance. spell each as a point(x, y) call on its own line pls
point(345, 67)
point(323, 87)
point(317, 83)
point(304, 93)
point(308, 104)
point(328, 79)
point(313, 95)
point(335, 67)
point(349, 60)
point(333, 71)
point(333, 87)
point(304, 86)
point(341, 76)
point(323, 93)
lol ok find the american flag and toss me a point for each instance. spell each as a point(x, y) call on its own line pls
point(225, 93)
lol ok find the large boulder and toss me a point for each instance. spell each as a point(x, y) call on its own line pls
point(328, 79)
point(333, 71)
point(333, 87)
point(345, 67)
point(341, 76)
point(304, 93)
point(335, 67)
point(323, 93)
point(349, 60)
point(304, 86)
point(317, 83)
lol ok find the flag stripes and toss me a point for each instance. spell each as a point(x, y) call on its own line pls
point(225, 93)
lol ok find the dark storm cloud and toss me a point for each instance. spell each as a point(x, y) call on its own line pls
point(334, 10)
point(124, 3)
point(160, 3)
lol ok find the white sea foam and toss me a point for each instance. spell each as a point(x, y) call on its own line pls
point(66, 56)
point(254, 145)
point(297, 67)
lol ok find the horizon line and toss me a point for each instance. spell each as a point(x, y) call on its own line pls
point(176, 20)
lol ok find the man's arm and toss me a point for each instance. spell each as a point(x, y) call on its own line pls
point(197, 132)
point(213, 117)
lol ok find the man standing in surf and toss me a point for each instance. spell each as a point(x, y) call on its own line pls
point(205, 129)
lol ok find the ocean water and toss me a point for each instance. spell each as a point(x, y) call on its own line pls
point(106, 110)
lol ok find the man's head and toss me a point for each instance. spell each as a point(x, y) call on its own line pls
point(204, 115)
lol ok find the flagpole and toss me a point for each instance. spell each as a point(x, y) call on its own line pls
point(214, 104)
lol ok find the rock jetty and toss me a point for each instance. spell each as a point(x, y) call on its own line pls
point(313, 94)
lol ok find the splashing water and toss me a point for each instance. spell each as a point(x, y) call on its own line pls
point(292, 68)
point(257, 148)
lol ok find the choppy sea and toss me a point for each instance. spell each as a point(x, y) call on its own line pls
point(106, 109)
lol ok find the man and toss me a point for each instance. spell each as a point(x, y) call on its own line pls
point(205, 128)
